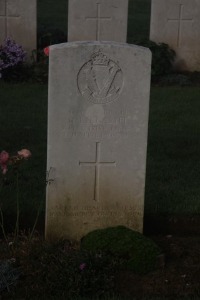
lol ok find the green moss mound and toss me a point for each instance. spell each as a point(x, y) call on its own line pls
point(133, 250)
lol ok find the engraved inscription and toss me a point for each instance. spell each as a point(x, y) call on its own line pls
point(98, 19)
point(78, 125)
point(100, 80)
point(97, 164)
point(91, 211)
point(180, 19)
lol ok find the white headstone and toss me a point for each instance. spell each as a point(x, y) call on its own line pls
point(177, 23)
point(97, 137)
point(97, 20)
point(18, 21)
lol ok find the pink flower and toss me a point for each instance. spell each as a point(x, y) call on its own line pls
point(4, 158)
point(4, 169)
point(24, 153)
point(46, 51)
point(82, 266)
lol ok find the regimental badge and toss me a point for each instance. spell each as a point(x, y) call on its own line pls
point(100, 80)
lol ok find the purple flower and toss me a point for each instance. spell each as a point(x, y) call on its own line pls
point(82, 266)
point(11, 54)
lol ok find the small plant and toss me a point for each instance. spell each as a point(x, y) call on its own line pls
point(40, 67)
point(162, 57)
point(131, 249)
point(12, 57)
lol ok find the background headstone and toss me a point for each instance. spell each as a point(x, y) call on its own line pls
point(97, 137)
point(177, 23)
point(18, 21)
point(97, 20)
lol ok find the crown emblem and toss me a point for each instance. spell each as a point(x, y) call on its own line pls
point(99, 58)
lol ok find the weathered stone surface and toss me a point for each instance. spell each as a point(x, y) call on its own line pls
point(97, 137)
point(102, 20)
point(18, 21)
point(177, 23)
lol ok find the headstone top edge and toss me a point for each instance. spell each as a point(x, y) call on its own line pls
point(109, 44)
point(71, 2)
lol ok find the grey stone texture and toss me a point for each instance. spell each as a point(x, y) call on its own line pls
point(18, 21)
point(97, 20)
point(97, 137)
point(177, 23)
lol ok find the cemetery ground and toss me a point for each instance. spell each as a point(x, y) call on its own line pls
point(172, 206)
point(45, 271)
point(171, 201)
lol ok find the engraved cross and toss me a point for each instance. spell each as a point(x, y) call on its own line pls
point(180, 19)
point(6, 16)
point(98, 19)
point(97, 164)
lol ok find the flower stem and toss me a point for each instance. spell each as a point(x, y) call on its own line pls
point(2, 222)
point(35, 223)
point(2, 226)
point(17, 217)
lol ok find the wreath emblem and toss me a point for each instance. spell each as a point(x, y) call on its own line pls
point(100, 80)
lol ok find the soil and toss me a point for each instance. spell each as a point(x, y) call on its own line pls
point(178, 275)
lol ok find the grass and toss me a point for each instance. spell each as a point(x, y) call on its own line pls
point(23, 124)
point(172, 185)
